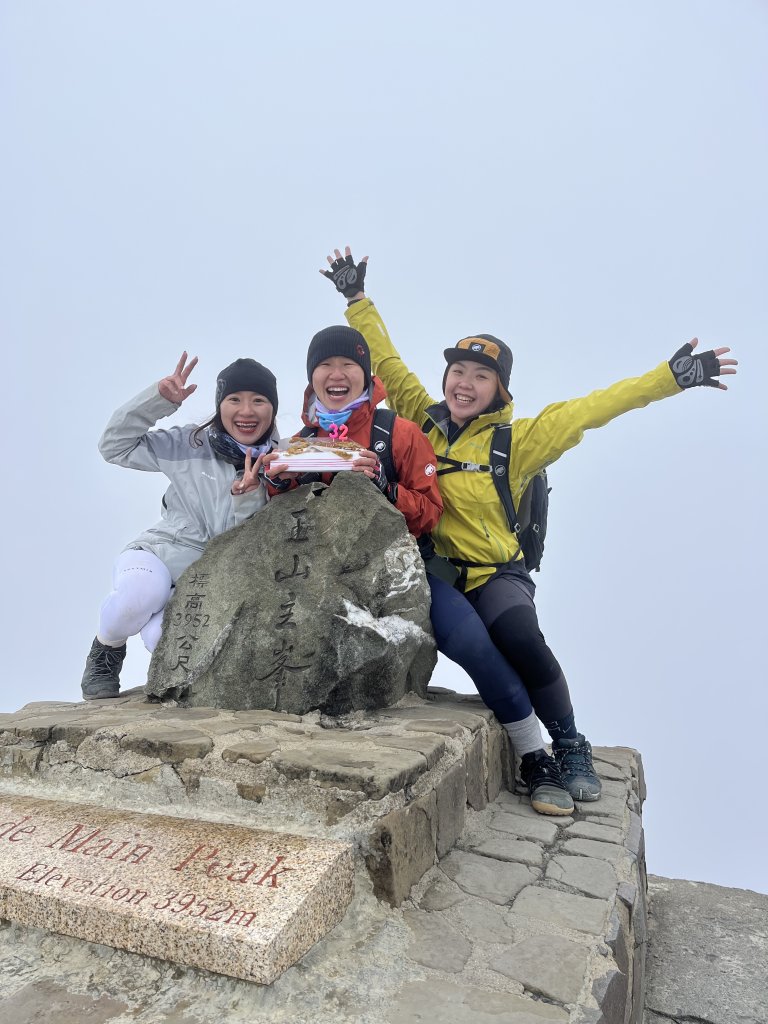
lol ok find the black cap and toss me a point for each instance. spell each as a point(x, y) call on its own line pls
point(339, 341)
point(246, 375)
point(485, 349)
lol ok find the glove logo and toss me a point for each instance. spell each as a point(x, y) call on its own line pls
point(476, 347)
point(345, 277)
point(688, 371)
point(380, 446)
point(429, 469)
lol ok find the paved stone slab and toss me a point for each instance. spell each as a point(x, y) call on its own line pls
point(43, 1001)
point(587, 874)
point(582, 913)
point(429, 746)
point(593, 848)
point(429, 1002)
point(255, 751)
point(482, 922)
point(610, 771)
point(606, 807)
point(490, 879)
point(549, 965)
point(221, 897)
point(614, 787)
point(451, 794)
point(374, 773)
point(441, 726)
point(441, 894)
point(440, 712)
point(707, 953)
point(523, 826)
point(435, 943)
point(594, 830)
point(502, 848)
point(167, 743)
point(401, 848)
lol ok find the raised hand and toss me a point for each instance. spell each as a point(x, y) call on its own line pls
point(250, 480)
point(174, 387)
point(693, 371)
point(347, 277)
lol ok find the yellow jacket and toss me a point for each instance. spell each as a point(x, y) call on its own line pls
point(474, 526)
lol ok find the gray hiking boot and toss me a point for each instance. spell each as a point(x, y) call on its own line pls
point(579, 775)
point(540, 773)
point(102, 671)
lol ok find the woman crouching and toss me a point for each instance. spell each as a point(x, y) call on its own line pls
point(213, 470)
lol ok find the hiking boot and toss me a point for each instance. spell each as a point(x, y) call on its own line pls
point(575, 760)
point(102, 671)
point(540, 773)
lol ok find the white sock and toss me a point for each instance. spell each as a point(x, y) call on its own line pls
point(525, 735)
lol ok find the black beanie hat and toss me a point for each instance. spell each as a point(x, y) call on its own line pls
point(485, 349)
point(246, 375)
point(339, 341)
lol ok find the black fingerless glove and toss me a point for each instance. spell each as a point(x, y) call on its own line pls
point(387, 489)
point(347, 277)
point(693, 371)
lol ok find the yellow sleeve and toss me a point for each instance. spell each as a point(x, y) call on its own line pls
point(406, 394)
point(540, 440)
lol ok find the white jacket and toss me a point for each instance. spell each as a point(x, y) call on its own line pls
point(199, 504)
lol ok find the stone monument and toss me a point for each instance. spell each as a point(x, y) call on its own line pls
point(318, 602)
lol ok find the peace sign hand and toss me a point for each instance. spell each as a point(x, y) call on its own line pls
point(174, 387)
point(250, 480)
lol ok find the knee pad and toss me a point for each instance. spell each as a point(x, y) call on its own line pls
point(517, 634)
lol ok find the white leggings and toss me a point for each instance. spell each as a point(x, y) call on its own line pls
point(142, 586)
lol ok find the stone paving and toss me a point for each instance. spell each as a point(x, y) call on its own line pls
point(511, 917)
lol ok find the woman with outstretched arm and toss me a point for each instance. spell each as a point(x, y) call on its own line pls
point(495, 591)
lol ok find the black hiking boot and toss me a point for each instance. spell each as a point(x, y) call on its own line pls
point(579, 775)
point(102, 671)
point(540, 773)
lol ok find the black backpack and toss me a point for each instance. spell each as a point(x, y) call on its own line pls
point(529, 520)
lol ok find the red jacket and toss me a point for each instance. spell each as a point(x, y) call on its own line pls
point(418, 496)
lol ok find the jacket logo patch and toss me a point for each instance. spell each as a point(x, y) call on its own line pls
point(429, 469)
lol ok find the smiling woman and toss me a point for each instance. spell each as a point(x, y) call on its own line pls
point(215, 484)
point(490, 605)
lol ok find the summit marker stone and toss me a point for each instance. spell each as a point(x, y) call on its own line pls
point(318, 602)
point(224, 898)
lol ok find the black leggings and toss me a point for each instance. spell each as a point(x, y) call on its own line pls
point(505, 604)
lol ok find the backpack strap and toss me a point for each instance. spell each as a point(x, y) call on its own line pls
point(381, 441)
point(501, 443)
point(453, 465)
point(307, 432)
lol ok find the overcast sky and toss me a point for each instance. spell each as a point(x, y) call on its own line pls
point(586, 181)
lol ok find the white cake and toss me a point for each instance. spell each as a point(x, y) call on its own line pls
point(318, 455)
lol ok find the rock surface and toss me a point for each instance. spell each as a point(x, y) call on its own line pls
point(456, 916)
point(318, 602)
point(707, 954)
